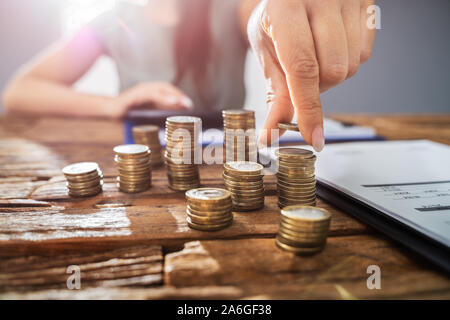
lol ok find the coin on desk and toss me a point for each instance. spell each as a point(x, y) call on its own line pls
point(303, 229)
point(288, 126)
point(149, 135)
point(84, 179)
point(244, 180)
point(181, 147)
point(239, 135)
point(296, 183)
point(134, 167)
point(208, 209)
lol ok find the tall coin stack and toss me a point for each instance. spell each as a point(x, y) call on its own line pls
point(209, 209)
point(303, 229)
point(296, 179)
point(244, 180)
point(134, 166)
point(84, 179)
point(148, 135)
point(182, 134)
point(240, 135)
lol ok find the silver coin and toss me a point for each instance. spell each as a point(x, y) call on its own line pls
point(309, 213)
point(208, 194)
point(131, 149)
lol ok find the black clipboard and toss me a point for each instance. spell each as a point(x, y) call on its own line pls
point(430, 249)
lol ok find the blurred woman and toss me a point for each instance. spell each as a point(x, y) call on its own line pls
point(180, 54)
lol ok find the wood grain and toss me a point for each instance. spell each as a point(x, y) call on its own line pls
point(57, 228)
point(258, 266)
point(151, 293)
point(132, 266)
point(42, 229)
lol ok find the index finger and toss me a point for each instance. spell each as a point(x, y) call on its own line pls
point(295, 49)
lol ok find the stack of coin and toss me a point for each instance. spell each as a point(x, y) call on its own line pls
point(240, 135)
point(209, 209)
point(303, 229)
point(244, 179)
point(134, 166)
point(148, 135)
point(84, 179)
point(288, 126)
point(296, 180)
point(182, 134)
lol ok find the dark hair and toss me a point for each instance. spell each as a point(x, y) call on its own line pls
point(192, 42)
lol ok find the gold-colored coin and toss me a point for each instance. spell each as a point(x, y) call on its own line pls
point(86, 192)
point(298, 250)
point(181, 147)
point(304, 239)
point(209, 219)
point(212, 211)
point(238, 113)
point(294, 162)
point(289, 152)
point(205, 207)
point(145, 129)
point(134, 167)
point(85, 178)
point(304, 213)
point(242, 177)
point(288, 126)
point(209, 195)
point(244, 167)
point(239, 135)
point(243, 185)
point(85, 185)
point(303, 228)
point(207, 227)
point(288, 226)
point(283, 203)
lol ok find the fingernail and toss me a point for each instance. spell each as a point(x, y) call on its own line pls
point(187, 102)
point(318, 140)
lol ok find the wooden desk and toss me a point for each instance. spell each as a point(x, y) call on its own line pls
point(146, 250)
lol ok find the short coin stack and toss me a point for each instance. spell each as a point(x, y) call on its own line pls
point(209, 209)
point(148, 135)
point(240, 135)
point(134, 166)
point(84, 179)
point(244, 179)
point(288, 126)
point(303, 229)
point(296, 179)
point(182, 134)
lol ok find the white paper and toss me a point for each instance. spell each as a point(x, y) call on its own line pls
point(407, 180)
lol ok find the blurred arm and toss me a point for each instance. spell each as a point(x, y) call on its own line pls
point(44, 85)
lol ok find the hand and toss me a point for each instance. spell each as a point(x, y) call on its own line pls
point(160, 95)
point(306, 47)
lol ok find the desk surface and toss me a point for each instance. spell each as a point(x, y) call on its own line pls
point(144, 249)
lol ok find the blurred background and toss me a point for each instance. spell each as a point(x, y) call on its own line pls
point(409, 70)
